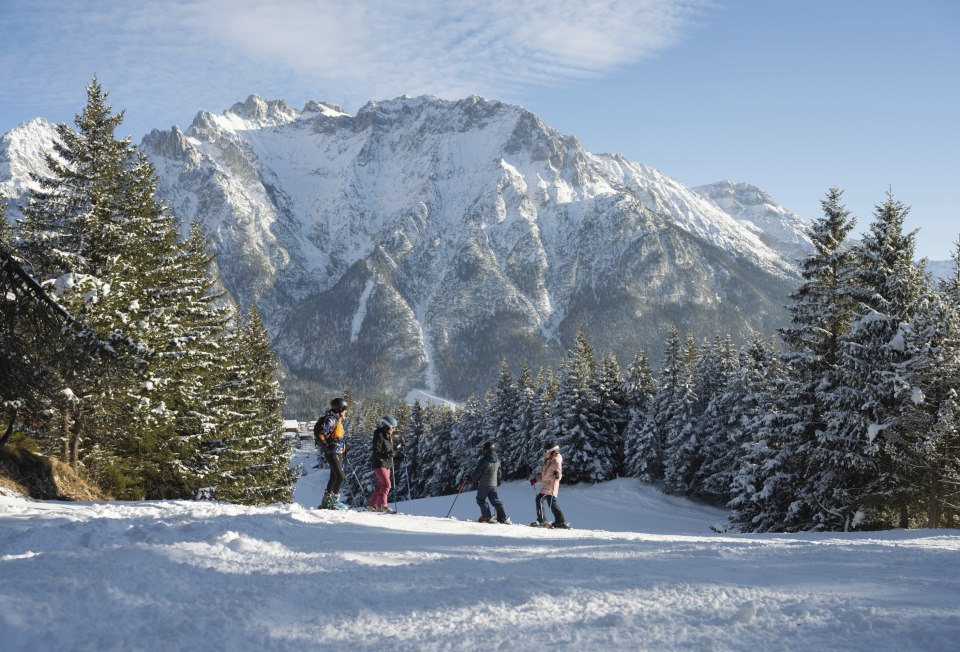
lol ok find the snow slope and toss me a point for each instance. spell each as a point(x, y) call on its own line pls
point(640, 572)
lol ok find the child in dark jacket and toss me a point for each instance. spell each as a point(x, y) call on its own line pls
point(487, 475)
point(381, 458)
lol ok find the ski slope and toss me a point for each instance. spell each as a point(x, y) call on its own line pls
point(640, 571)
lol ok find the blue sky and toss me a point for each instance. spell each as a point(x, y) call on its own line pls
point(791, 96)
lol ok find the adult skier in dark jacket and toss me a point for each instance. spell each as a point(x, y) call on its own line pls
point(487, 475)
point(381, 458)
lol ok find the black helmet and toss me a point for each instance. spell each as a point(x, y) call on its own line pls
point(389, 421)
point(488, 446)
point(338, 404)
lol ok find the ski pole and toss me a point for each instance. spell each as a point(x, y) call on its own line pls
point(393, 477)
point(406, 474)
point(359, 484)
point(462, 485)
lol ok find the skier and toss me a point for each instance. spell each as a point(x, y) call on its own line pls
point(488, 474)
point(549, 477)
point(328, 433)
point(381, 457)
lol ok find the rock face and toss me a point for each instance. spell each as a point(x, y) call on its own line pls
point(421, 241)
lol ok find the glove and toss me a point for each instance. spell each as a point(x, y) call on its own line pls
point(533, 481)
point(556, 474)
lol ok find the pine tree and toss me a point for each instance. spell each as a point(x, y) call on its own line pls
point(516, 451)
point(612, 413)
point(716, 393)
point(74, 238)
point(573, 418)
point(544, 395)
point(647, 432)
point(766, 484)
point(71, 224)
point(468, 437)
point(929, 450)
point(639, 388)
point(501, 412)
point(39, 345)
point(682, 449)
point(859, 446)
point(730, 419)
point(775, 490)
point(449, 454)
point(252, 456)
point(417, 449)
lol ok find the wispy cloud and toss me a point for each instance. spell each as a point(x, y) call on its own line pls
point(155, 53)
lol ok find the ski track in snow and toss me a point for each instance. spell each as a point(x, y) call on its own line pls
point(642, 571)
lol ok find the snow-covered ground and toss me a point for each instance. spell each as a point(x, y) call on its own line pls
point(641, 571)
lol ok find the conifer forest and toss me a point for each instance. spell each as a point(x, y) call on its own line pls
point(120, 355)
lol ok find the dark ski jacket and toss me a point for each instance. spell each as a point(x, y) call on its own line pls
point(488, 472)
point(381, 455)
point(329, 433)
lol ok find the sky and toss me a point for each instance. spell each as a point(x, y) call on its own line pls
point(638, 571)
point(792, 97)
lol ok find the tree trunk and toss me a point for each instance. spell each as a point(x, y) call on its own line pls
point(75, 440)
point(933, 497)
point(904, 514)
point(65, 433)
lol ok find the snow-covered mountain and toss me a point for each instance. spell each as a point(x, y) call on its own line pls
point(22, 152)
point(780, 229)
point(420, 241)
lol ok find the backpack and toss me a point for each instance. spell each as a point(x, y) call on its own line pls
point(321, 433)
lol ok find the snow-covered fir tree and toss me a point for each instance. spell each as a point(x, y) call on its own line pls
point(858, 447)
point(612, 412)
point(773, 489)
point(929, 448)
point(647, 432)
point(716, 392)
point(515, 453)
point(94, 234)
point(445, 435)
point(252, 457)
point(681, 453)
point(573, 422)
point(544, 395)
point(501, 411)
point(729, 420)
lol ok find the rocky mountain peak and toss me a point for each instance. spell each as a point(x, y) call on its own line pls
point(421, 241)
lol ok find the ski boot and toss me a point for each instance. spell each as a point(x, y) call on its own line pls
point(505, 521)
point(483, 519)
point(336, 504)
point(560, 526)
point(540, 524)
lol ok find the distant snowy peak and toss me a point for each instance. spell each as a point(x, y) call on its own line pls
point(942, 269)
point(784, 231)
point(22, 152)
point(695, 213)
point(256, 113)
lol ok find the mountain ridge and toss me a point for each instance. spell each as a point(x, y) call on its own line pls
point(420, 241)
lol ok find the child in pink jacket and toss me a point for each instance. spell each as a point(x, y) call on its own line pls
point(549, 477)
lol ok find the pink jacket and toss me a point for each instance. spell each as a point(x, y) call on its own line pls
point(549, 484)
